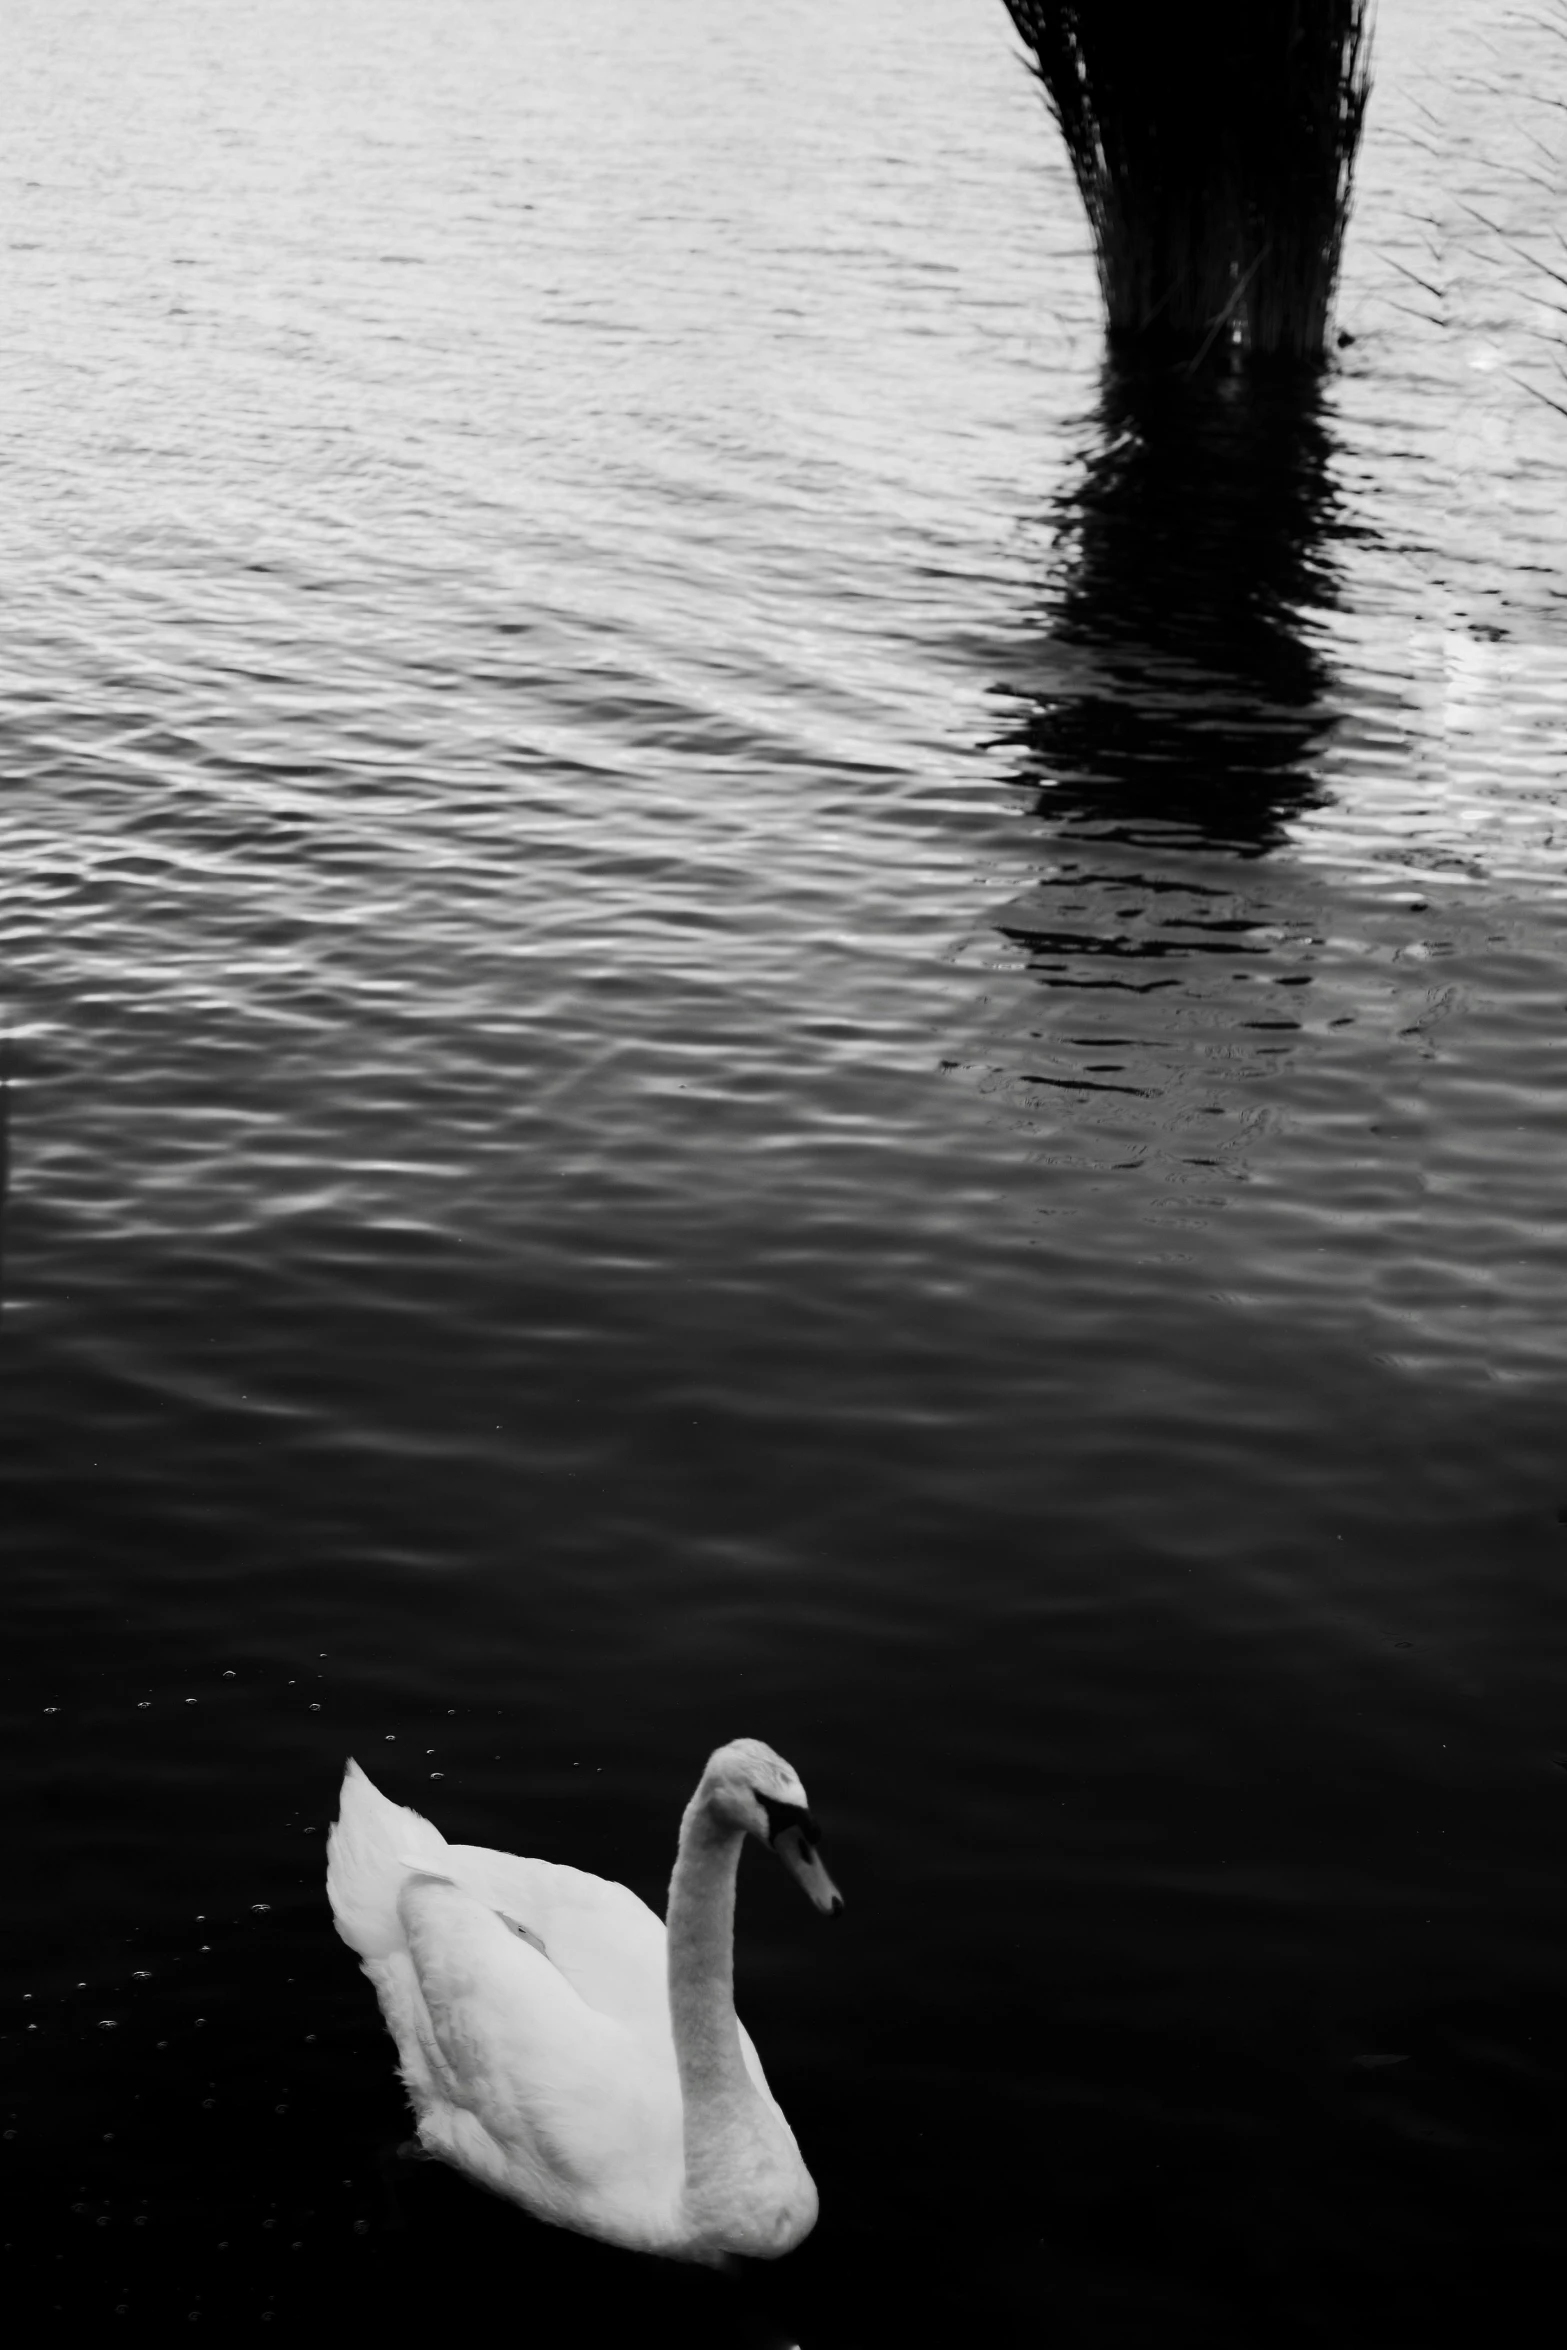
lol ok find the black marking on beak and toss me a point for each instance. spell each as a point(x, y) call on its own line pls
point(788, 1815)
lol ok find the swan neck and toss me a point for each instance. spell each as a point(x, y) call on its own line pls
point(701, 1942)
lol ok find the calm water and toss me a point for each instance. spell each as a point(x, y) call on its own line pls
point(737, 1003)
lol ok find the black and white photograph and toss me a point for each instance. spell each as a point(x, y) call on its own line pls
point(783, 1172)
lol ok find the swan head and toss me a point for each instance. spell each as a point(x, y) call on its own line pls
point(747, 1786)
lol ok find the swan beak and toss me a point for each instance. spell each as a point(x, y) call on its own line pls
point(804, 1864)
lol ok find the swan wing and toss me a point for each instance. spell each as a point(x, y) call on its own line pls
point(609, 1945)
point(372, 1845)
point(579, 2110)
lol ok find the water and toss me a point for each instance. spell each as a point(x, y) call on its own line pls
point(737, 1004)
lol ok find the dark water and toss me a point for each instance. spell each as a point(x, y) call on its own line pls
point(736, 1004)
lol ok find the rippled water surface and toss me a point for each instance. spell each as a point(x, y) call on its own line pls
point(738, 1002)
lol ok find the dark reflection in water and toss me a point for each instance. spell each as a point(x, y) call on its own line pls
point(1175, 681)
point(1172, 711)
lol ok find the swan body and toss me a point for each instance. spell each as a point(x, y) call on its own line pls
point(563, 2046)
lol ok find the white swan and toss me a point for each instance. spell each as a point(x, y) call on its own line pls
point(564, 2049)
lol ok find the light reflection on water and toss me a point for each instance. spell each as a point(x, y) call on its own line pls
point(736, 1003)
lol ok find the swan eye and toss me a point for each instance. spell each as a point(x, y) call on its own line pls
point(781, 1815)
